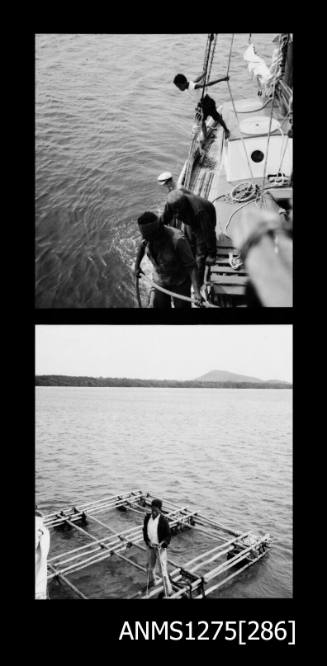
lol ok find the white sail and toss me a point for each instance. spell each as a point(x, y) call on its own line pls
point(256, 65)
point(258, 69)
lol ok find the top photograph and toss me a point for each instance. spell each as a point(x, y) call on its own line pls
point(164, 170)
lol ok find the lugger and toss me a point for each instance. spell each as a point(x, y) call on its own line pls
point(240, 159)
point(229, 552)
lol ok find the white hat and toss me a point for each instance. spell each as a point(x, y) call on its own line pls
point(166, 175)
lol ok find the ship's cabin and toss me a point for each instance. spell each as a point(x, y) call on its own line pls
point(258, 144)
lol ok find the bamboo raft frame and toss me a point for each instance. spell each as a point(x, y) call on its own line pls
point(230, 547)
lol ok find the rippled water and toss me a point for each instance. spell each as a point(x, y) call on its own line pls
point(226, 452)
point(108, 121)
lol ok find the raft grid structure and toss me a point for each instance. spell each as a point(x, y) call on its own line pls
point(232, 551)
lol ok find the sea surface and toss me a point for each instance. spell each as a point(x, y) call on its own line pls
point(108, 121)
point(224, 452)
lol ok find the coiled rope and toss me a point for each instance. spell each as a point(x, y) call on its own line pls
point(259, 107)
point(252, 194)
point(257, 199)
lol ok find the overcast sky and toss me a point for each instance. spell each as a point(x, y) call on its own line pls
point(164, 352)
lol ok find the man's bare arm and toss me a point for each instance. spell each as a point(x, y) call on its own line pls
point(139, 257)
point(211, 83)
point(199, 78)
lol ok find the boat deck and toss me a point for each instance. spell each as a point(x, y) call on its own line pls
point(97, 550)
point(208, 178)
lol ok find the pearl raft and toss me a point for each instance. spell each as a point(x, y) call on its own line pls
point(97, 550)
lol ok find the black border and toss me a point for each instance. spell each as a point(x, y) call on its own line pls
point(107, 621)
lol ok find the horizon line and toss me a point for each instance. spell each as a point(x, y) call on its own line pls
point(164, 379)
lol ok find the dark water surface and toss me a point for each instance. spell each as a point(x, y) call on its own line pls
point(108, 121)
point(224, 452)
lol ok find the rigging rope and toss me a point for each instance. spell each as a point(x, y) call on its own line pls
point(270, 123)
point(258, 109)
point(235, 111)
point(283, 155)
point(241, 135)
point(213, 49)
point(137, 289)
point(211, 37)
point(230, 54)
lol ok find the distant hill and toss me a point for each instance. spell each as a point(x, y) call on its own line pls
point(224, 376)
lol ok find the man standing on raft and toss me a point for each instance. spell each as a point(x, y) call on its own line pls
point(157, 535)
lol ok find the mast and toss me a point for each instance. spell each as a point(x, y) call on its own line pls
point(288, 74)
point(208, 58)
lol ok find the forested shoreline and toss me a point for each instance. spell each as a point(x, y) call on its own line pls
point(65, 380)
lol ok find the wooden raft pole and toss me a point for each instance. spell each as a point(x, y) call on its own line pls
point(68, 582)
point(112, 499)
point(233, 575)
point(76, 514)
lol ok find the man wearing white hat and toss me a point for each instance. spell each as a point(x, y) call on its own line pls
point(166, 180)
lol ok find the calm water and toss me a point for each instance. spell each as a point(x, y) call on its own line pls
point(225, 452)
point(108, 121)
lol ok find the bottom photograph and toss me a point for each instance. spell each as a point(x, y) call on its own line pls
point(163, 462)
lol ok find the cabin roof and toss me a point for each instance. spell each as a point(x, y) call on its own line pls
point(255, 110)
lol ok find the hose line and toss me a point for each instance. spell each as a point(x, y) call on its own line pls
point(173, 294)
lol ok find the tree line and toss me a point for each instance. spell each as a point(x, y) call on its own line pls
point(65, 380)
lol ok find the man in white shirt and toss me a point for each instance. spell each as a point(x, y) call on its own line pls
point(157, 535)
point(206, 106)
